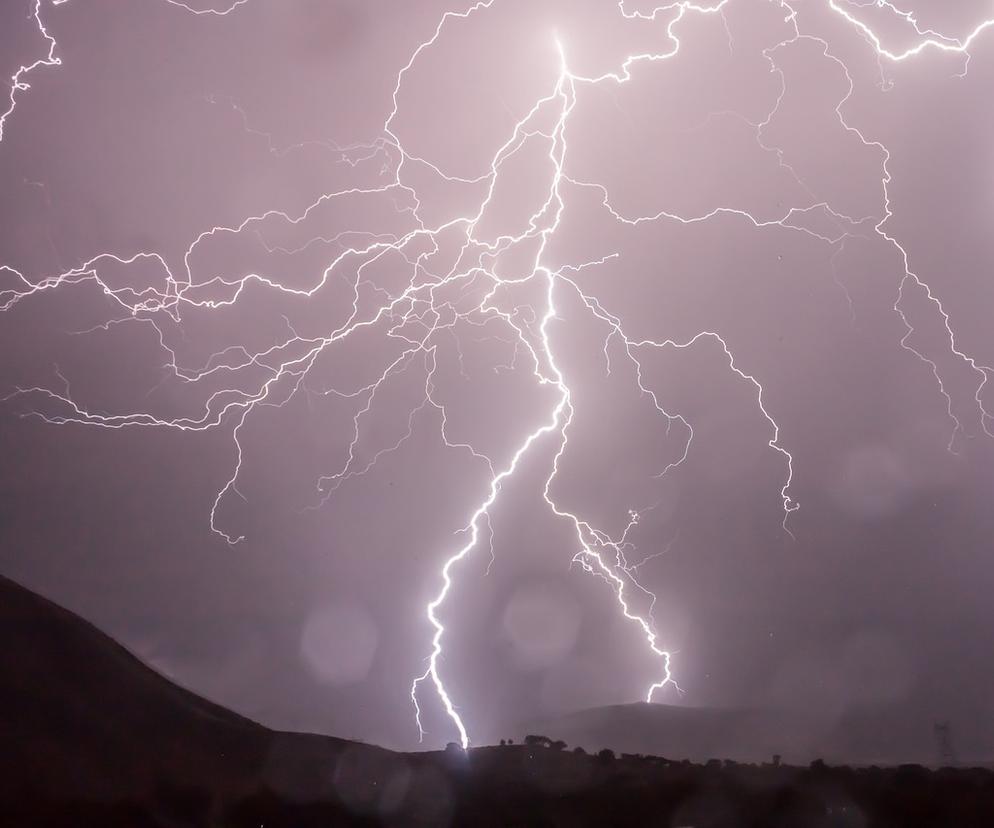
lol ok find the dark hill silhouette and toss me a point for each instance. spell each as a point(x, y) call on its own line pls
point(862, 735)
point(81, 715)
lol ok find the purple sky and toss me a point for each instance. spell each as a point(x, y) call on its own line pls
point(733, 182)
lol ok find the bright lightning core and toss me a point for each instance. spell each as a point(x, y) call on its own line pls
point(446, 274)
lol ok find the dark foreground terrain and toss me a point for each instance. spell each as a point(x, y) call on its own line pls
point(90, 736)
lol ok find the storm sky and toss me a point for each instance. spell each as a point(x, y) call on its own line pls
point(735, 183)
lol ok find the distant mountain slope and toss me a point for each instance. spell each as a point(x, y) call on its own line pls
point(866, 735)
point(79, 714)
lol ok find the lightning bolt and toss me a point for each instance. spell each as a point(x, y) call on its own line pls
point(18, 83)
point(928, 40)
point(427, 310)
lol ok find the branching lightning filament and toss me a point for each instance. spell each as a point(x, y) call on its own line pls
point(421, 316)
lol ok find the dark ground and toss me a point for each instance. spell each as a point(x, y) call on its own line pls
point(90, 736)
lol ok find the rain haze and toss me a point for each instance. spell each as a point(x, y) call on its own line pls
point(675, 321)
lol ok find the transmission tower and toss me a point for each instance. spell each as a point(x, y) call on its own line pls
point(944, 743)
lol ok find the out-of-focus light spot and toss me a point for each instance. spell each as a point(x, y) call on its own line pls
point(371, 781)
point(542, 621)
point(338, 643)
point(872, 482)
